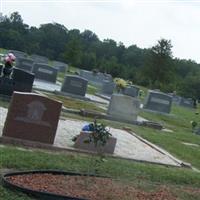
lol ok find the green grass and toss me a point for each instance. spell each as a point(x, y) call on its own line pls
point(75, 103)
point(144, 176)
point(61, 76)
point(91, 89)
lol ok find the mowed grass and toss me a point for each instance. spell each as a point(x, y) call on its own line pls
point(179, 122)
point(141, 175)
point(75, 103)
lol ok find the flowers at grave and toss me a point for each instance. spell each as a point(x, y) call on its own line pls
point(120, 84)
point(98, 133)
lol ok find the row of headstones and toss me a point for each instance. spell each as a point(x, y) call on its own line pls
point(124, 107)
point(60, 66)
point(96, 78)
point(39, 66)
point(30, 114)
point(155, 100)
point(77, 85)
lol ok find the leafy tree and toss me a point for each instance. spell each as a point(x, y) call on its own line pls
point(190, 87)
point(159, 64)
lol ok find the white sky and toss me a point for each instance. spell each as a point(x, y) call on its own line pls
point(129, 21)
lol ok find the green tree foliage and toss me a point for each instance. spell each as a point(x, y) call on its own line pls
point(159, 66)
point(190, 87)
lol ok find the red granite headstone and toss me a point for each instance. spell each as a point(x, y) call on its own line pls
point(32, 117)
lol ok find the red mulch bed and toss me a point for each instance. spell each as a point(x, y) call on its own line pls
point(93, 188)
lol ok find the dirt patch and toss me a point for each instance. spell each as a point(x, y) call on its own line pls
point(93, 188)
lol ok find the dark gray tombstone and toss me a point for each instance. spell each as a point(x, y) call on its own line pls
point(18, 54)
point(6, 86)
point(25, 64)
point(158, 101)
point(95, 78)
point(39, 59)
point(75, 85)
point(1, 69)
point(176, 99)
point(108, 88)
point(45, 72)
point(186, 102)
point(132, 91)
point(60, 66)
point(23, 81)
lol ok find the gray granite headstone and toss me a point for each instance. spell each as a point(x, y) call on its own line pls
point(45, 72)
point(23, 80)
point(39, 59)
point(75, 85)
point(132, 91)
point(123, 107)
point(62, 67)
point(176, 99)
point(25, 64)
point(95, 78)
point(18, 54)
point(186, 102)
point(108, 88)
point(158, 101)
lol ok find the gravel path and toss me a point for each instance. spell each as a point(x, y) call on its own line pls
point(128, 146)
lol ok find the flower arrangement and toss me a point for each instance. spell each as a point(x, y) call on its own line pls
point(121, 84)
point(98, 134)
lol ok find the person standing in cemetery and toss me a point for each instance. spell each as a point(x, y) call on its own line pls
point(9, 62)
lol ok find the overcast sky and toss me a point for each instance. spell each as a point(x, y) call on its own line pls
point(129, 21)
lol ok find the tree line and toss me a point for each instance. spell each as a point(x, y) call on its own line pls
point(154, 67)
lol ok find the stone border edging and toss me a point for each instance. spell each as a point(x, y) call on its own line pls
point(162, 151)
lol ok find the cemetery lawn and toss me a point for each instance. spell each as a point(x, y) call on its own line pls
point(75, 103)
point(182, 183)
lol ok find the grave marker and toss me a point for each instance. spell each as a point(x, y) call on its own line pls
point(132, 91)
point(25, 64)
point(45, 72)
point(18, 54)
point(39, 59)
point(32, 117)
point(60, 66)
point(158, 101)
point(123, 107)
point(108, 87)
point(74, 85)
point(23, 81)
